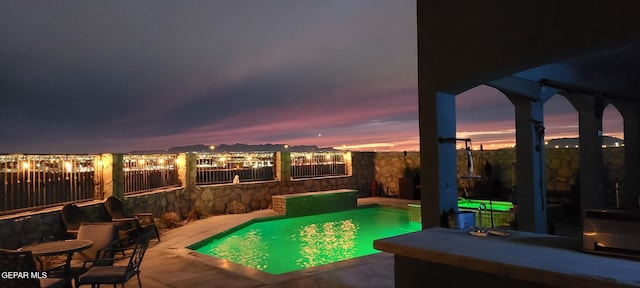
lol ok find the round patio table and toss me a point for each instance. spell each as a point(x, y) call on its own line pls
point(54, 248)
point(57, 247)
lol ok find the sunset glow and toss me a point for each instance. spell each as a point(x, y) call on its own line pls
point(327, 73)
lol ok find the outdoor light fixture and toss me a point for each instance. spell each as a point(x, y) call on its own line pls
point(467, 148)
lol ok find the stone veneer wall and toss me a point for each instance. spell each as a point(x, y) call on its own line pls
point(311, 203)
point(216, 199)
point(364, 171)
point(561, 168)
point(46, 225)
point(170, 200)
point(390, 166)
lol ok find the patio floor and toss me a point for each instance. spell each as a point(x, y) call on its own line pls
point(169, 264)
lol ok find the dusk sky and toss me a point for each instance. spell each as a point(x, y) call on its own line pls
point(117, 76)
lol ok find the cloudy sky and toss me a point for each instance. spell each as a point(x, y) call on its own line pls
point(116, 76)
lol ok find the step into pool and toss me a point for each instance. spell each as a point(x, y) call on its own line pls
point(291, 244)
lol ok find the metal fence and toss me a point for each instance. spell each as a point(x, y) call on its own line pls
point(317, 164)
point(148, 172)
point(38, 181)
point(218, 168)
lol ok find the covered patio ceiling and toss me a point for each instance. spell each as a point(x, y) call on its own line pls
point(612, 73)
point(587, 51)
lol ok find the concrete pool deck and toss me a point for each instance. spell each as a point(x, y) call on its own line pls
point(169, 264)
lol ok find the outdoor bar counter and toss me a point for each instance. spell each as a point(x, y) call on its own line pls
point(520, 259)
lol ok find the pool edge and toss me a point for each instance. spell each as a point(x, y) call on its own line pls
point(262, 276)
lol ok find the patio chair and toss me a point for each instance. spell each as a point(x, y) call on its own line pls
point(139, 221)
point(104, 237)
point(72, 217)
point(20, 262)
point(97, 274)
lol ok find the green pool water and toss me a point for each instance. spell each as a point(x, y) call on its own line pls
point(290, 244)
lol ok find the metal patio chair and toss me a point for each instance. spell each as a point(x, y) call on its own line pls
point(113, 274)
point(72, 217)
point(104, 236)
point(139, 221)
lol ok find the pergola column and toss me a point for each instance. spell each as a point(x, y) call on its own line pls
point(439, 191)
point(531, 187)
point(592, 178)
point(631, 185)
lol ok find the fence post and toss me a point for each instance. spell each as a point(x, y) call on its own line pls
point(187, 172)
point(113, 175)
point(98, 177)
point(348, 163)
point(283, 166)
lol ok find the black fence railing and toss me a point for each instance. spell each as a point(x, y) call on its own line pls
point(317, 164)
point(218, 168)
point(29, 182)
point(148, 172)
point(38, 181)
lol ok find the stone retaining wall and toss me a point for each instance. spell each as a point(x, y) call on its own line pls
point(218, 199)
point(47, 225)
point(20, 230)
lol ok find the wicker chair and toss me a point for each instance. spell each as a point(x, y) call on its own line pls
point(97, 274)
point(139, 221)
point(22, 262)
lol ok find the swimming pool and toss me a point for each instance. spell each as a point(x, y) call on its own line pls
point(291, 244)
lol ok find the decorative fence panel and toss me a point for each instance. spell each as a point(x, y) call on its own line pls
point(144, 173)
point(218, 168)
point(317, 164)
point(38, 181)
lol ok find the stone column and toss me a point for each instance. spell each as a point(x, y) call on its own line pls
point(348, 163)
point(187, 170)
point(113, 175)
point(98, 178)
point(283, 166)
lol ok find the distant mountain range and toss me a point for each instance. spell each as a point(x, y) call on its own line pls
point(572, 142)
point(238, 147)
